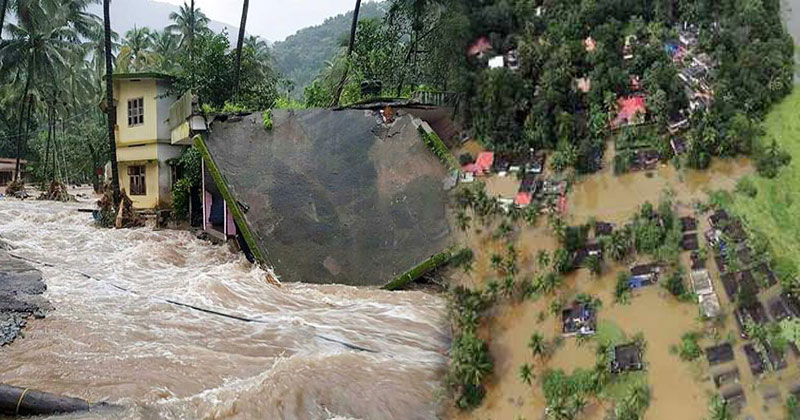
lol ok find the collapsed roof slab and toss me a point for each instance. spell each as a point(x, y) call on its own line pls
point(332, 196)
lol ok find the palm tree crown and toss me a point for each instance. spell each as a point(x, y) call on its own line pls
point(188, 23)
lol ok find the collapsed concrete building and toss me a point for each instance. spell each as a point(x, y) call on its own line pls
point(350, 196)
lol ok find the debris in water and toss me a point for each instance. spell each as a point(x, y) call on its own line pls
point(15, 187)
point(122, 216)
point(57, 192)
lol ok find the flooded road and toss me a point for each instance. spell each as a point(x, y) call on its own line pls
point(300, 359)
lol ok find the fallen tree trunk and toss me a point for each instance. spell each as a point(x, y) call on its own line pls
point(17, 401)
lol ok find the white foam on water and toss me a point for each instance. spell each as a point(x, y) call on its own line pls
point(165, 361)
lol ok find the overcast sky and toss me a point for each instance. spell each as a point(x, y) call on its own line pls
point(272, 19)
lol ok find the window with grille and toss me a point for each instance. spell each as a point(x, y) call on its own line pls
point(137, 177)
point(135, 112)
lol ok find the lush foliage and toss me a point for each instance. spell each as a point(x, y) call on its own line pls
point(470, 361)
point(302, 56)
point(50, 68)
point(210, 73)
point(689, 348)
point(539, 106)
point(772, 211)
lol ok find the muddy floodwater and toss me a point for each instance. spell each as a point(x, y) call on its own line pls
point(612, 198)
point(679, 390)
point(311, 352)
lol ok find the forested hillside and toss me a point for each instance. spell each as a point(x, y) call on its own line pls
point(303, 55)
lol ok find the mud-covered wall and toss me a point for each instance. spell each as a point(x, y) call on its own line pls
point(335, 196)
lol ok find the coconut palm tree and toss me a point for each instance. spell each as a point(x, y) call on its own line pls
point(417, 12)
point(239, 46)
point(40, 43)
point(135, 53)
point(526, 373)
point(164, 46)
point(262, 55)
point(111, 111)
point(543, 257)
point(463, 220)
point(719, 409)
point(496, 261)
point(189, 21)
point(537, 345)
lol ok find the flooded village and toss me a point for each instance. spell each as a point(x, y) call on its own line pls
point(379, 255)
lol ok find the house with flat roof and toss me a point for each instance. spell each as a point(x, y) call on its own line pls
point(643, 275)
point(145, 151)
point(721, 353)
point(626, 358)
point(701, 282)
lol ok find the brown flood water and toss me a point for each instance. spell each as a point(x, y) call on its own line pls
point(613, 198)
point(161, 361)
point(679, 390)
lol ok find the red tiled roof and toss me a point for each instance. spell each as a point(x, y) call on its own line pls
point(484, 161)
point(481, 45)
point(523, 199)
point(628, 108)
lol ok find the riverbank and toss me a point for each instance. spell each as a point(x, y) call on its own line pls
point(21, 289)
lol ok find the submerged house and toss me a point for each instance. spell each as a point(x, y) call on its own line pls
point(327, 196)
point(579, 319)
point(643, 275)
point(626, 358)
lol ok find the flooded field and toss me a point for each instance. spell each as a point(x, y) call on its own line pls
point(612, 198)
point(676, 392)
point(679, 390)
point(310, 352)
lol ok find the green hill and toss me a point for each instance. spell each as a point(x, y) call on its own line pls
point(301, 56)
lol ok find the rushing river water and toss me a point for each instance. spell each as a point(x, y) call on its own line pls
point(160, 360)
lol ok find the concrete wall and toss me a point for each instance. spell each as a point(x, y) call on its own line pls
point(127, 89)
point(166, 152)
point(137, 153)
point(163, 103)
point(230, 224)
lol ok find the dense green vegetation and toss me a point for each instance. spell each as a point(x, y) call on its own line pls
point(302, 56)
point(725, 130)
point(470, 359)
point(51, 59)
point(413, 45)
point(423, 45)
point(51, 71)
